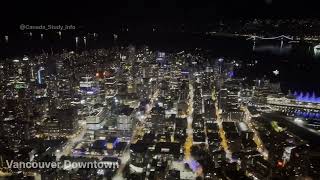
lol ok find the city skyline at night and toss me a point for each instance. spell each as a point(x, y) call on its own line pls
point(160, 91)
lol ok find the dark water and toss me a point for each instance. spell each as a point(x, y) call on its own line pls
point(298, 67)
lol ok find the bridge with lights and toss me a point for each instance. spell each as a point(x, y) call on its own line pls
point(281, 38)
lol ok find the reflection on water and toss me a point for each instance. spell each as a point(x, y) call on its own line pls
point(274, 49)
point(316, 50)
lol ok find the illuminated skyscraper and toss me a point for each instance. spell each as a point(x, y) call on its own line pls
point(40, 75)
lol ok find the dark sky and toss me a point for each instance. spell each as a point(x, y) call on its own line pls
point(138, 11)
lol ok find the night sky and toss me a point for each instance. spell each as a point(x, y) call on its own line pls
point(138, 11)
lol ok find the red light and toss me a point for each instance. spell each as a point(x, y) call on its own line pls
point(280, 164)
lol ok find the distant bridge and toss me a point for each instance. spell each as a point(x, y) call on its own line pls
point(282, 38)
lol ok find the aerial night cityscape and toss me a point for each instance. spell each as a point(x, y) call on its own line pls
point(137, 90)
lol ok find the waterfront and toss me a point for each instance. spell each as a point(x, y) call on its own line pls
point(296, 62)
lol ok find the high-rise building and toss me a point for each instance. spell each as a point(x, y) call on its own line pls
point(40, 75)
